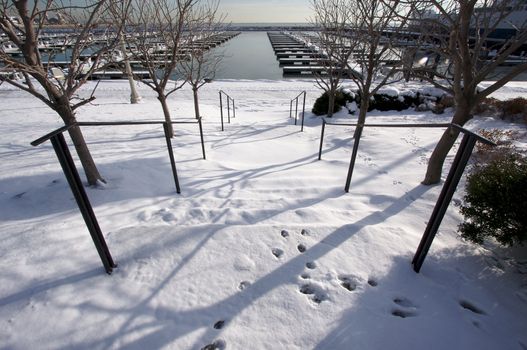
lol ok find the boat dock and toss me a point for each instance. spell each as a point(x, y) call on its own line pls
point(296, 57)
point(116, 68)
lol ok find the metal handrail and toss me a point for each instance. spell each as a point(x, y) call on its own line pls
point(296, 108)
point(325, 122)
point(155, 122)
point(221, 92)
point(72, 176)
point(447, 192)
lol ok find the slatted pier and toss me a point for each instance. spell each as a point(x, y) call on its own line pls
point(295, 56)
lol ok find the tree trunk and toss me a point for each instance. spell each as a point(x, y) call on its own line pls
point(331, 102)
point(196, 102)
point(437, 159)
point(363, 110)
point(90, 169)
point(166, 112)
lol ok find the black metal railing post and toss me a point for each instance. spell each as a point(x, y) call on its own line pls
point(321, 138)
point(171, 156)
point(77, 188)
point(229, 100)
point(221, 111)
point(296, 110)
point(303, 111)
point(228, 110)
point(201, 135)
point(449, 187)
point(355, 151)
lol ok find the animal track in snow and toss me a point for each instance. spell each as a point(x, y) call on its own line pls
point(301, 248)
point(284, 233)
point(349, 282)
point(243, 285)
point(305, 276)
point(311, 265)
point(277, 252)
point(471, 307)
point(407, 308)
point(304, 232)
point(316, 292)
point(402, 313)
point(219, 324)
point(219, 344)
point(372, 282)
point(404, 302)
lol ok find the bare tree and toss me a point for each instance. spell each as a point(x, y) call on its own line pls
point(462, 33)
point(160, 27)
point(332, 18)
point(200, 66)
point(375, 30)
point(59, 90)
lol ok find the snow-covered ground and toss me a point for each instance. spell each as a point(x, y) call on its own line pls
point(262, 250)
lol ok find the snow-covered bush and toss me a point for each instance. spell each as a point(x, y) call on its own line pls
point(388, 99)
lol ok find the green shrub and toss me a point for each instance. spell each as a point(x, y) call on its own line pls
point(321, 105)
point(495, 204)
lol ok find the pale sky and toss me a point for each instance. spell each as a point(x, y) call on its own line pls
point(266, 11)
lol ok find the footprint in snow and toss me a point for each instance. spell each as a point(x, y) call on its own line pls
point(18, 196)
point(349, 282)
point(406, 308)
point(219, 324)
point(316, 293)
point(219, 344)
point(284, 233)
point(304, 232)
point(243, 285)
point(277, 252)
point(471, 307)
point(372, 282)
point(311, 265)
point(301, 248)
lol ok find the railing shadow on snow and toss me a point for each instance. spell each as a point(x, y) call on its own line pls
point(70, 171)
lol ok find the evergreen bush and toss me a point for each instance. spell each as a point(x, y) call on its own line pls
point(321, 105)
point(495, 204)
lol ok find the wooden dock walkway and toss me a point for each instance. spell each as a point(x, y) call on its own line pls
point(295, 56)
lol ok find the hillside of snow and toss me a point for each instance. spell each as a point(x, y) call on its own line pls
point(262, 249)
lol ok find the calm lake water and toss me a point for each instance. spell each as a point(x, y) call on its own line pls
point(249, 56)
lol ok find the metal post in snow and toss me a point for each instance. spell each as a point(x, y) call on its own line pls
point(321, 138)
point(77, 188)
point(303, 112)
point(233, 109)
point(228, 109)
point(202, 140)
point(221, 111)
point(296, 109)
point(451, 182)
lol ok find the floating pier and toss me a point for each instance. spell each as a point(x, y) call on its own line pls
point(116, 69)
point(295, 56)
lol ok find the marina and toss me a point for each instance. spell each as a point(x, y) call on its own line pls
point(56, 53)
